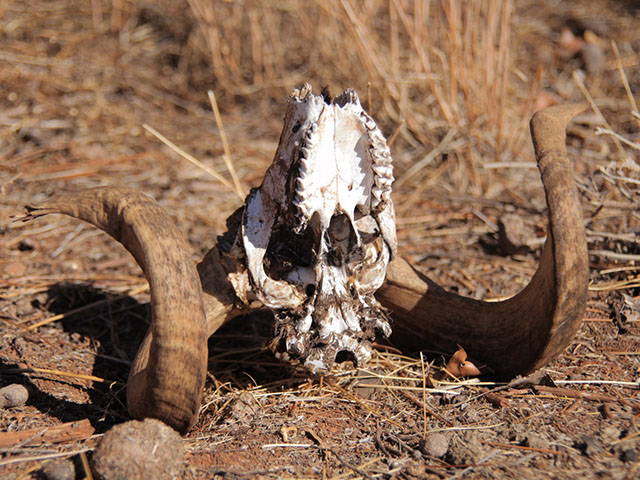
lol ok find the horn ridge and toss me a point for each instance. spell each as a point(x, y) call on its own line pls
point(522, 333)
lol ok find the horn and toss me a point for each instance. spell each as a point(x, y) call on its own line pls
point(166, 380)
point(523, 333)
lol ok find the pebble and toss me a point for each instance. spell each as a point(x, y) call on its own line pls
point(513, 234)
point(14, 395)
point(435, 445)
point(59, 470)
point(138, 450)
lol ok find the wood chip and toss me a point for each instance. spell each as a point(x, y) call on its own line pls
point(67, 432)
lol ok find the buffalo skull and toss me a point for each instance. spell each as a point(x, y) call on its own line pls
point(315, 243)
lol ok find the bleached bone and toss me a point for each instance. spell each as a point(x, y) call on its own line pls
point(314, 226)
point(312, 243)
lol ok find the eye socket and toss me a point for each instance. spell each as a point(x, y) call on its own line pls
point(295, 128)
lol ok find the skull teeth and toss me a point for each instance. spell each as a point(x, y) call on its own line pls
point(332, 163)
point(349, 96)
point(303, 93)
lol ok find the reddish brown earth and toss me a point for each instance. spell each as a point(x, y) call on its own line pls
point(79, 82)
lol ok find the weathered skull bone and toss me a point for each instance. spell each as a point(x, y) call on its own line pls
point(315, 238)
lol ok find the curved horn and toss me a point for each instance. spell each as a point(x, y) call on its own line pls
point(522, 333)
point(167, 377)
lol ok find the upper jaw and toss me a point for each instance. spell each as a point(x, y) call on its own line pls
point(315, 238)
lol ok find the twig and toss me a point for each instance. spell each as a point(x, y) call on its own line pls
point(43, 457)
point(191, 158)
point(363, 404)
point(519, 447)
point(428, 410)
point(67, 432)
point(60, 373)
point(578, 81)
point(616, 256)
point(61, 316)
point(599, 382)
point(589, 396)
point(361, 466)
point(608, 131)
point(225, 144)
point(85, 466)
point(623, 77)
point(424, 397)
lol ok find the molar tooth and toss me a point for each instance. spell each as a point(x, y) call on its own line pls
point(385, 171)
point(381, 152)
point(368, 122)
point(376, 191)
point(305, 91)
point(300, 187)
point(382, 182)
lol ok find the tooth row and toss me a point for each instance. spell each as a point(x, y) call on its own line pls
point(348, 96)
point(301, 188)
point(380, 155)
point(301, 94)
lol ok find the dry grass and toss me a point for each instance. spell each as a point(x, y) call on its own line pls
point(433, 73)
point(452, 83)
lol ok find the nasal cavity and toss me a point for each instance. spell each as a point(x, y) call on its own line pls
point(346, 356)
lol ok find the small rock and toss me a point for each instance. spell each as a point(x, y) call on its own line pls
point(628, 455)
point(139, 450)
point(14, 395)
point(589, 446)
point(59, 470)
point(435, 445)
point(465, 449)
point(243, 409)
point(19, 345)
point(513, 234)
point(535, 440)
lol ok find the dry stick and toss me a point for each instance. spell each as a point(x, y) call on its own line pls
point(629, 143)
point(592, 397)
point(43, 457)
point(619, 177)
point(363, 404)
point(423, 405)
point(67, 432)
point(225, 144)
point(595, 108)
point(520, 447)
point(85, 466)
point(60, 316)
point(191, 158)
point(623, 76)
point(361, 466)
point(60, 373)
point(424, 398)
point(494, 398)
point(616, 256)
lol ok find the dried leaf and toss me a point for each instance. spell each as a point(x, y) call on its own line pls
point(459, 366)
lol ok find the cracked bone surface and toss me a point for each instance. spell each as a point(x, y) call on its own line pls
point(312, 243)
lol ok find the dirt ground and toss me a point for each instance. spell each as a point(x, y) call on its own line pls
point(78, 82)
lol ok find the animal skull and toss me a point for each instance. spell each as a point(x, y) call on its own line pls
point(316, 237)
point(312, 244)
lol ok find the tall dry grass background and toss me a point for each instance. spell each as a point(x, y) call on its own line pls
point(436, 74)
